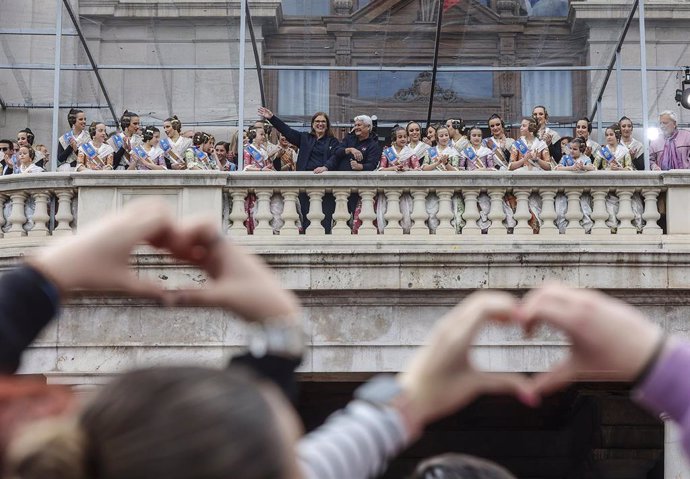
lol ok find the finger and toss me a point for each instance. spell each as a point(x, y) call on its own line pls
point(553, 304)
point(515, 384)
point(557, 378)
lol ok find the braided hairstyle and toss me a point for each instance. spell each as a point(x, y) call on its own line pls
point(148, 133)
point(200, 138)
point(126, 119)
point(175, 123)
point(72, 116)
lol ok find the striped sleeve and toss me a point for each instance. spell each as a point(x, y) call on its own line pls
point(355, 443)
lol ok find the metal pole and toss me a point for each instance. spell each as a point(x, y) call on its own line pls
point(91, 60)
point(435, 65)
point(240, 100)
point(257, 60)
point(643, 74)
point(619, 45)
point(56, 84)
point(600, 122)
point(619, 86)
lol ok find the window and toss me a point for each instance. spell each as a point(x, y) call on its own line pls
point(466, 85)
point(302, 93)
point(547, 8)
point(554, 90)
point(306, 8)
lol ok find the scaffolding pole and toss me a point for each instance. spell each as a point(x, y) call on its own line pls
point(90, 57)
point(643, 74)
point(240, 102)
point(56, 83)
point(257, 59)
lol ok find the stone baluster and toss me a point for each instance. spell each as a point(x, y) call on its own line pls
point(341, 215)
point(419, 214)
point(64, 215)
point(41, 216)
point(393, 214)
point(445, 212)
point(496, 213)
point(599, 213)
point(315, 214)
point(625, 213)
point(263, 213)
point(367, 214)
point(471, 214)
point(3, 199)
point(574, 213)
point(17, 217)
point(522, 214)
point(238, 215)
point(548, 213)
point(651, 213)
point(290, 216)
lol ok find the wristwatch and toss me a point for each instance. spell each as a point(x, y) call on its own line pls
point(277, 340)
point(381, 390)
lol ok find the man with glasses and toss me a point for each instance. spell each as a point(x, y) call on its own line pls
point(6, 152)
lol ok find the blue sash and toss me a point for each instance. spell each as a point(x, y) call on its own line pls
point(521, 146)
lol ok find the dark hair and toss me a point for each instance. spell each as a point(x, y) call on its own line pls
point(457, 124)
point(533, 124)
point(148, 132)
point(589, 123)
point(200, 138)
point(29, 135)
point(580, 143)
point(328, 123)
point(546, 112)
point(92, 128)
point(72, 116)
point(407, 127)
point(167, 422)
point(251, 133)
point(126, 119)
point(497, 116)
point(459, 466)
point(9, 142)
point(475, 127)
point(616, 130)
point(225, 145)
point(394, 132)
point(175, 123)
point(626, 118)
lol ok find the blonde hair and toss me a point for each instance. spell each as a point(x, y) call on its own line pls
point(50, 448)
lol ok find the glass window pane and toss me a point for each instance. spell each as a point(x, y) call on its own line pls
point(301, 93)
point(403, 85)
point(547, 8)
point(554, 90)
point(306, 8)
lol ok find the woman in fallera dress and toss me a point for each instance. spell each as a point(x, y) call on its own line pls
point(174, 156)
point(442, 157)
point(583, 130)
point(476, 156)
point(148, 156)
point(399, 156)
point(529, 152)
point(69, 143)
point(197, 157)
point(634, 146)
point(123, 143)
point(414, 139)
point(430, 137)
point(613, 155)
point(456, 130)
point(499, 143)
point(96, 154)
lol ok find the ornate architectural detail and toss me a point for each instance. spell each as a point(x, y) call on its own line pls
point(428, 11)
point(342, 7)
point(421, 90)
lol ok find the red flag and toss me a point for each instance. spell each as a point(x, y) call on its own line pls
point(447, 4)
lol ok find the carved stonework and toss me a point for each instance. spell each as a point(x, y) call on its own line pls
point(507, 7)
point(342, 7)
point(421, 90)
point(428, 11)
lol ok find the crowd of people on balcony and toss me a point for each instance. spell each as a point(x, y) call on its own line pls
point(449, 146)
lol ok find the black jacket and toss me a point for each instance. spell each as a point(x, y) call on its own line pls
point(305, 141)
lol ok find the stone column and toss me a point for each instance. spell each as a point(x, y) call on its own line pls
point(676, 466)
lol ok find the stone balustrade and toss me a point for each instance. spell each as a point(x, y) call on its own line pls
point(396, 205)
point(425, 241)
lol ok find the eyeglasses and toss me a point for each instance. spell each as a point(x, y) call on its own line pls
point(4, 148)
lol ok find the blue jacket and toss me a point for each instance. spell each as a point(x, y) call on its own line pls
point(370, 148)
point(305, 141)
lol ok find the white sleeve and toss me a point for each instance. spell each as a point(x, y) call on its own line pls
point(355, 443)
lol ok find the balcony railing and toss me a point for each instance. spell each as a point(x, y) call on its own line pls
point(363, 205)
